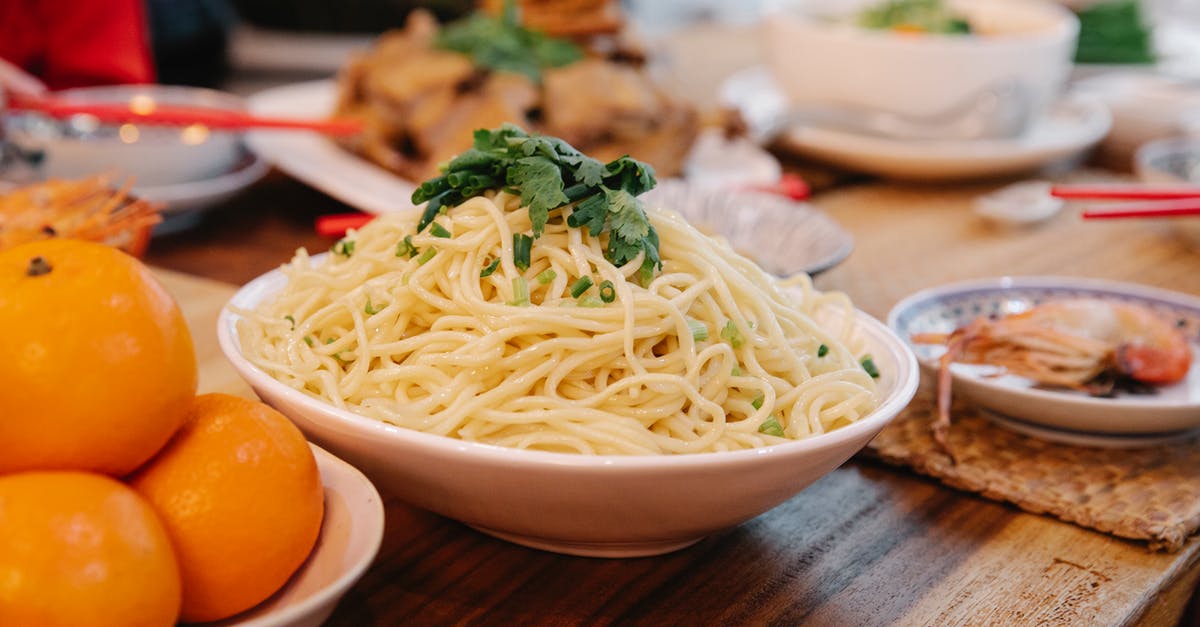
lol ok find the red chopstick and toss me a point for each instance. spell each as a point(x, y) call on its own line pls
point(181, 115)
point(336, 225)
point(1124, 191)
point(1176, 208)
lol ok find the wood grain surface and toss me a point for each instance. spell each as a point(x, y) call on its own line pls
point(865, 545)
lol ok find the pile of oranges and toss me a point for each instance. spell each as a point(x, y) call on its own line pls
point(125, 499)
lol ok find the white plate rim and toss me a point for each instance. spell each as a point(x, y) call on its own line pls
point(1050, 398)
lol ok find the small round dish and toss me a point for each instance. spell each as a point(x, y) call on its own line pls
point(598, 505)
point(1172, 161)
point(1173, 408)
point(783, 236)
point(184, 203)
point(350, 536)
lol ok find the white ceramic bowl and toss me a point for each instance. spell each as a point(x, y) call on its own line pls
point(350, 535)
point(153, 155)
point(819, 56)
point(612, 506)
point(1172, 162)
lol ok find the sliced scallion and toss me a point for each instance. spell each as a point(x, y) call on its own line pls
point(405, 248)
point(522, 247)
point(608, 291)
point(520, 292)
point(308, 339)
point(343, 247)
point(590, 301)
point(822, 350)
point(699, 332)
point(771, 426)
point(438, 230)
point(731, 334)
point(546, 276)
point(581, 285)
point(371, 309)
point(868, 364)
point(427, 255)
point(490, 268)
point(758, 401)
point(292, 320)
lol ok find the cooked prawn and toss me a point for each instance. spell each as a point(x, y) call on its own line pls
point(1068, 344)
point(90, 209)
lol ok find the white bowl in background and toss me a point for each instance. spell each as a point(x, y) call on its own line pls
point(1172, 161)
point(820, 57)
point(153, 156)
point(351, 532)
point(606, 505)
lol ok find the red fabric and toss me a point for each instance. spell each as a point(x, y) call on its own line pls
point(74, 43)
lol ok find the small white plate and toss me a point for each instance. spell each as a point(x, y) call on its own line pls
point(1173, 408)
point(1071, 126)
point(185, 202)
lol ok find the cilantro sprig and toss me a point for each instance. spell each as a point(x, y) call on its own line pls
point(548, 174)
point(501, 44)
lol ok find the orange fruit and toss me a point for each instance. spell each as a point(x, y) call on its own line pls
point(240, 495)
point(80, 549)
point(98, 364)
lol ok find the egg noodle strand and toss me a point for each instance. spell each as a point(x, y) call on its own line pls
point(712, 355)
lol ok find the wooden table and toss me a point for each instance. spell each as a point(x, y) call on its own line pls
point(865, 545)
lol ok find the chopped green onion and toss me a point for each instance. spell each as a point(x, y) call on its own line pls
point(581, 285)
point(371, 309)
point(758, 401)
point(868, 364)
point(608, 292)
point(427, 255)
point(292, 320)
point(822, 350)
point(405, 248)
point(736, 372)
point(343, 247)
point(522, 245)
point(329, 341)
point(490, 268)
point(546, 276)
point(699, 332)
point(590, 301)
point(731, 334)
point(645, 275)
point(771, 426)
point(438, 230)
point(308, 340)
point(520, 292)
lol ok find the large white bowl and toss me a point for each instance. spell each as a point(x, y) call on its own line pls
point(611, 506)
point(820, 57)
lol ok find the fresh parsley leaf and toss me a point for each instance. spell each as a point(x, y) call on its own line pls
point(501, 44)
point(541, 185)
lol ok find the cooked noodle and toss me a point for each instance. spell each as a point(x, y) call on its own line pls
point(433, 346)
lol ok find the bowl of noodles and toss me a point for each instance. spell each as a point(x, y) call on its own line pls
point(539, 391)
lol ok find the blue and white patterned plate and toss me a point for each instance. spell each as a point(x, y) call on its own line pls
point(1134, 419)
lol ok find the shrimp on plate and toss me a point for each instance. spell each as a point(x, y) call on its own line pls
point(1083, 344)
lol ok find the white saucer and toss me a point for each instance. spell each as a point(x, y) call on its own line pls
point(185, 202)
point(1088, 438)
point(1071, 126)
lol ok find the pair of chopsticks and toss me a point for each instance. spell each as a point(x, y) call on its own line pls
point(1145, 201)
point(163, 114)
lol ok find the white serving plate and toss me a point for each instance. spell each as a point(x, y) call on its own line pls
point(1135, 419)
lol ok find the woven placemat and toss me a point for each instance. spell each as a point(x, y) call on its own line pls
point(1150, 494)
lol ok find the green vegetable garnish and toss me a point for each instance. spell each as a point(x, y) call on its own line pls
point(522, 245)
point(581, 285)
point(771, 426)
point(736, 372)
point(405, 248)
point(502, 44)
point(343, 247)
point(520, 292)
point(589, 301)
point(608, 291)
point(822, 350)
point(868, 364)
point(758, 401)
point(928, 16)
point(731, 334)
point(550, 174)
point(427, 255)
point(490, 268)
point(699, 331)
point(308, 339)
point(438, 230)
point(371, 309)
point(546, 276)
point(1114, 32)
point(292, 320)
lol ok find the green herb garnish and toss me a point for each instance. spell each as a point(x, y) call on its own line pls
point(500, 43)
point(581, 285)
point(868, 364)
point(699, 331)
point(736, 372)
point(608, 291)
point(1114, 32)
point(549, 174)
point(927, 16)
point(490, 268)
point(522, 247)
point(427, 255)
point(371, 309)
point(757, 403)
point(405, 248)
point(438, 230)
point(822, 350)
point(520, 292)
point(546, 276)
point(343, 247)
point(292, 320)
point(771, 426)
point(308, 339)
point(589, 301)
point(731, 334)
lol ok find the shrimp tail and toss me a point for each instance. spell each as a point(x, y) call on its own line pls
point(956, 345)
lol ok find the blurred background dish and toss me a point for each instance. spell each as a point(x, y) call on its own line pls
point(1173, 161)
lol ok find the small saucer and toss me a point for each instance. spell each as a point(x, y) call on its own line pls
point(1072, 125)
point(1090, 438)
point(185, 202)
